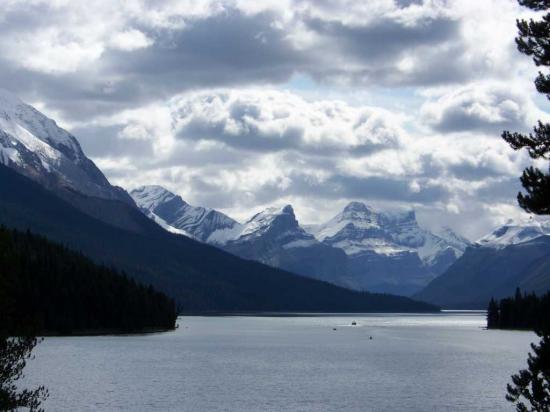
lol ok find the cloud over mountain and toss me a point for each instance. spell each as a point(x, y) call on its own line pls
point(237, 104)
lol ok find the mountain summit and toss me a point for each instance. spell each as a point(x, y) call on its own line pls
point(389, 251)
point(516, 231)
point(35, 146)
point(166, 207)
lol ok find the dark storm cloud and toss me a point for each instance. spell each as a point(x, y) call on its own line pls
point(226, 49)
point(375, 188)
point(489, 109)
point(232, 48)
point(385, 40)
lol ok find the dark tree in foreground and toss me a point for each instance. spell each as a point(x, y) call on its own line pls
point(531, 386)
point(534, 41)
point(14, 353)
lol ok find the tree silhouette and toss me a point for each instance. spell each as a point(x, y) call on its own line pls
point(532, 385)
point(14, 351)
point(534, 41)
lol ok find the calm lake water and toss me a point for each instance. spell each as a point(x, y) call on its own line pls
point(413, 363)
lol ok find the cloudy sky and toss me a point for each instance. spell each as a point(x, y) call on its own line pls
point(241, 104)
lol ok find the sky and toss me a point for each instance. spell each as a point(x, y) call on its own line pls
point(240, 105)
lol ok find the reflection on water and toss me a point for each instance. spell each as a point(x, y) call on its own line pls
point(413, 362)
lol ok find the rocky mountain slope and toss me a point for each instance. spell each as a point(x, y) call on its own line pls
point(272, 236)
point(38, 148)
point(360, 248)
point(389, 252)
point(516, 254)
point(164, 206)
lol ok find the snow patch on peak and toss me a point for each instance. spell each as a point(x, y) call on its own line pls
point(35, 146)
point(204, 224)
point(361, 229)
point(516, 231)
point(149, 197)
point(357, 207)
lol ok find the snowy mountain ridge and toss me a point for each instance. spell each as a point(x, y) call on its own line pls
point(516, 231)
point(359, 228)
point(171, 210)
point(35, 146)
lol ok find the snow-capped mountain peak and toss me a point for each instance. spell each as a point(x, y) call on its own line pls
point(360, 228)
point(35, 146)
point(516, 231)
point(150, 197)
point(169, 209)
point(278, 218)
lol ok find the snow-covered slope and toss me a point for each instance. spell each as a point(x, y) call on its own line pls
point(36, 147)
point(517, 231)
point(389, 252)
point(280, 222)
point(274, 237)
point(359, 228)
point(174, 214)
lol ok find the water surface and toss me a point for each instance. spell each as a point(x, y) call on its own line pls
point(413, 362)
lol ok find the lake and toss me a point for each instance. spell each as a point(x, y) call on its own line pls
point(413, 362)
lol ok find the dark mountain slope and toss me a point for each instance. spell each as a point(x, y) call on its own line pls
point(199, 277)
point(483, 272)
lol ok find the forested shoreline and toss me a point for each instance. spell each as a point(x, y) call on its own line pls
point(523, 311)
point(47, 289)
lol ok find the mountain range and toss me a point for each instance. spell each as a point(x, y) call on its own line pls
point(208, 261)
point(360, 248)
point(516, 254)
point(48, 186)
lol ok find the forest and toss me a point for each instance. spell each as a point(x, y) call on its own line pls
point(523, 311)
point(54, 291)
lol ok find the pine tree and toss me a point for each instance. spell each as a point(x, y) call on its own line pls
point(534, 41)
point(492, 315)
point(532, 385)
point(14, 351)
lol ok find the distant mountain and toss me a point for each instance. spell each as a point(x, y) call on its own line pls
point(485, 272)
point(360, 248)
point(514, 232)
point(198, 276)
point(35, 146)
point(274, 237)
point(389, 252)
point(516, 254)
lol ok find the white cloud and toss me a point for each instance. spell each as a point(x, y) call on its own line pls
point(193, 95)
point(129, 40)
point(482, 107)
point(265, 120)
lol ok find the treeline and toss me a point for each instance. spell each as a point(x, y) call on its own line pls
point(47, 289)
point(523, 311)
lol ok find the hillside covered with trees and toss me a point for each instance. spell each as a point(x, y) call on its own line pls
point(523, 311)
point(52, 290)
